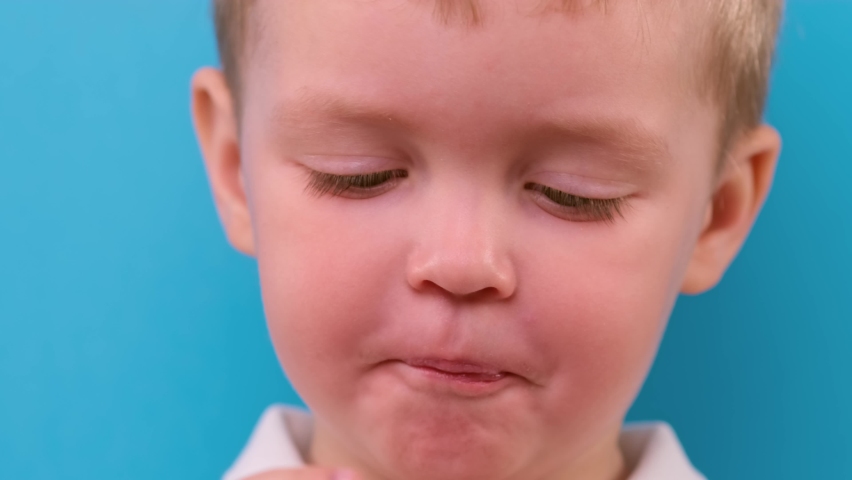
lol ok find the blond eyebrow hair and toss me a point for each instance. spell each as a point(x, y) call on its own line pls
point(637, 147)
point(739, 49)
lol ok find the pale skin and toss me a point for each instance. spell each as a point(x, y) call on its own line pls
point(466, 255)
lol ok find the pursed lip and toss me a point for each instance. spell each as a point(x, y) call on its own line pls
point(471, 370)
point(455, 377)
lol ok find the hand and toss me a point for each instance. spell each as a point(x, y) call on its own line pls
point(307, 473)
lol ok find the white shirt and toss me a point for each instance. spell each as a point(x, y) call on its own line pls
point(283, 434)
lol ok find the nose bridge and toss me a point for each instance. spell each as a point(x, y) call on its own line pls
point(464, 228)
point(461, 244)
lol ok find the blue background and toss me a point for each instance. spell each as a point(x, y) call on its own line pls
point(132, 340)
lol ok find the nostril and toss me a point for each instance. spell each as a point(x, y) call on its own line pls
point(488, 293)
point(478, 282)
point(474, 295)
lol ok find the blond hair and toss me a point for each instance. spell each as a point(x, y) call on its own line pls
point(740, 49)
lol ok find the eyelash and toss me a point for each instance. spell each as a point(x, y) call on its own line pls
point(322, 183)
point(592, 209)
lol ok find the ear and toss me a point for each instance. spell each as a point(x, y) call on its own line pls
point(738, 197)
point(216, 128)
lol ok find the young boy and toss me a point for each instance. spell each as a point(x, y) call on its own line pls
point(472, 219)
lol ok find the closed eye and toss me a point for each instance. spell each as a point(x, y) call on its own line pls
point(563, 204)
point(578, 208)
point(361, 185)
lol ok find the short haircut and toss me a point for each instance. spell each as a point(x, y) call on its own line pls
point(739, 51)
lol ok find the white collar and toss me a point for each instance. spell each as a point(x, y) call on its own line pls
point(282, 436)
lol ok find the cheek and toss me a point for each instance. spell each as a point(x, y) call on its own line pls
point(600, 307)
point(325, 283)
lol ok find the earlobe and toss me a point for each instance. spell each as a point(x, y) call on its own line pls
point(216, 129)
point(734, 207)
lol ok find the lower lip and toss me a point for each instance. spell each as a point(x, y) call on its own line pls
point(461, 384)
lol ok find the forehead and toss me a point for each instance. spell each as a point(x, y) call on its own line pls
point(646, 21)
point(522, 63)
point(615, 37)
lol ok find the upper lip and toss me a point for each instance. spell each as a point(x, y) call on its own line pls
point(457, 366)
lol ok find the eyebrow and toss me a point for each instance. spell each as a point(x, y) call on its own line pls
point(627, 142)
point(333, 110)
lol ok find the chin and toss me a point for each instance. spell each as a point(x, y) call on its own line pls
point(447, 447)
point(466, 464)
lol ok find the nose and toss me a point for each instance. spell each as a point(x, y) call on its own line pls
point(462, 251)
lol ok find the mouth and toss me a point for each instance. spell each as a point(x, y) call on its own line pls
point(460, 378)
point(464, 371)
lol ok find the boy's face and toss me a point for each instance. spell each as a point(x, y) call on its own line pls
point(463, 261)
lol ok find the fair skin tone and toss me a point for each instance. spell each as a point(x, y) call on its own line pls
point(382, 301)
